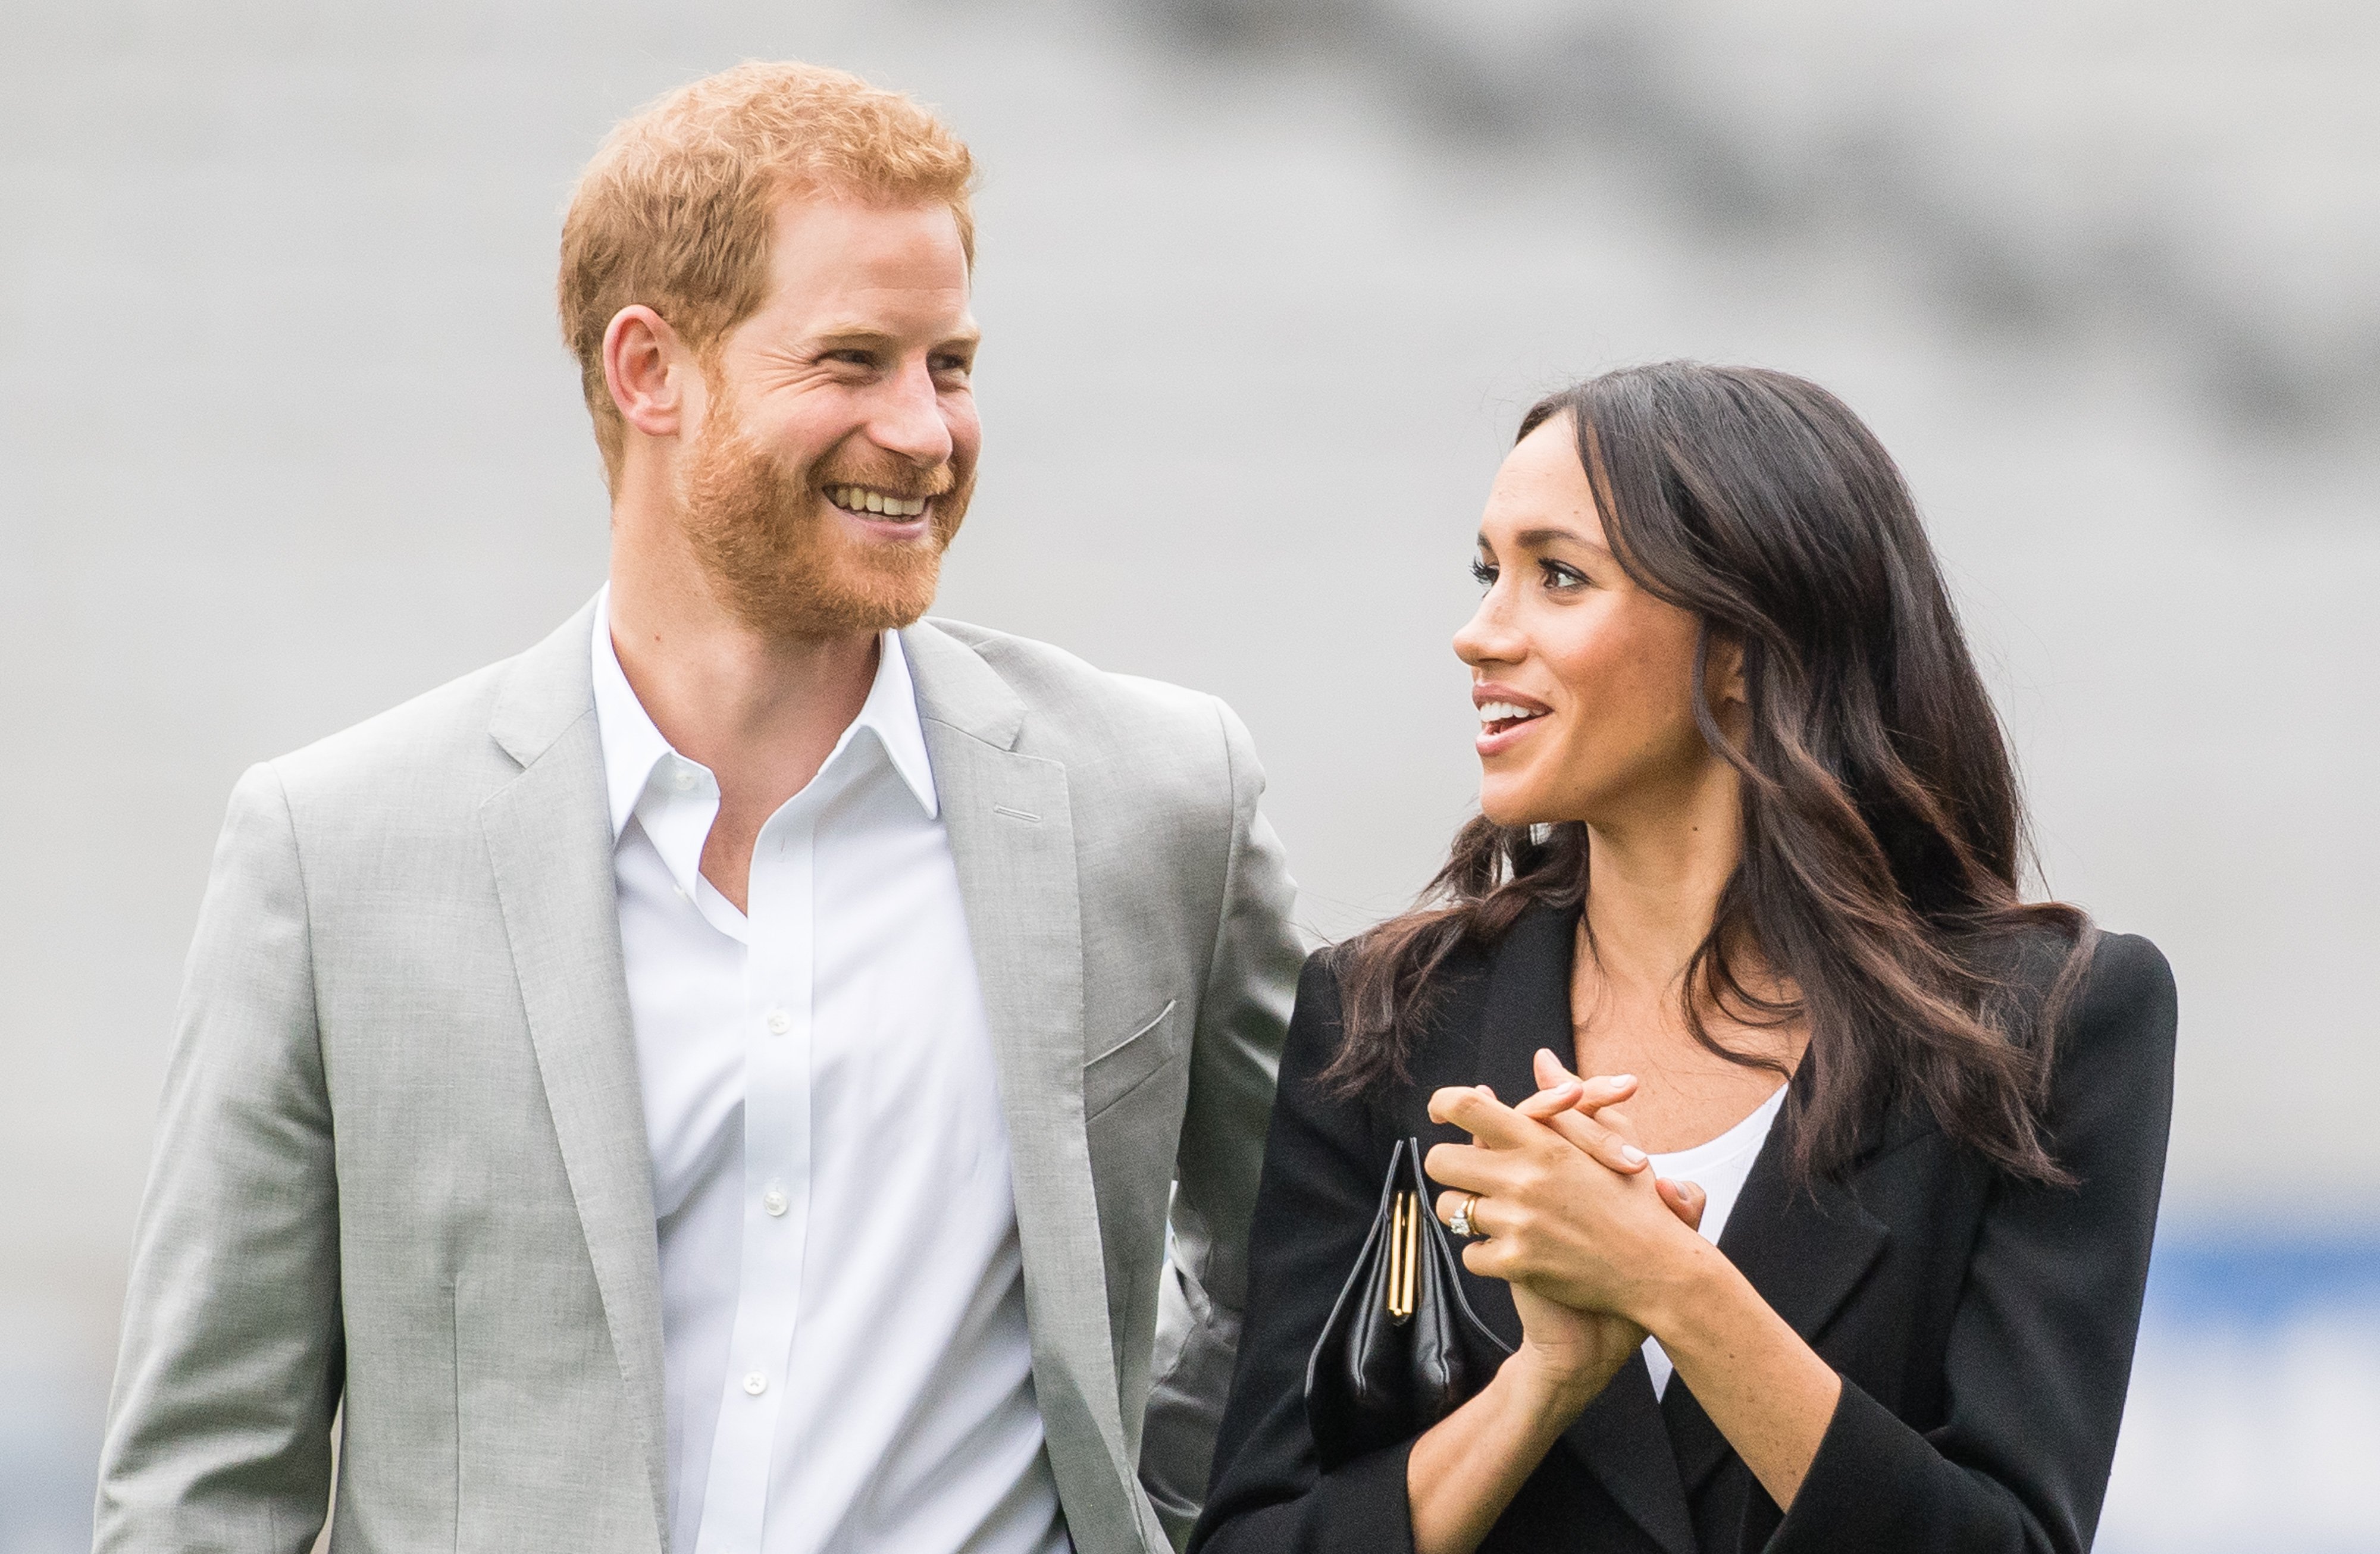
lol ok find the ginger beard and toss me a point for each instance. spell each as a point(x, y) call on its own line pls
point(787, 566)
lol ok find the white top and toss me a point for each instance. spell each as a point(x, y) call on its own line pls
point(1718, 1168)
point(846, 1355)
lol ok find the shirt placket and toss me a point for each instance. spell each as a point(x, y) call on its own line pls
point(778, 1008)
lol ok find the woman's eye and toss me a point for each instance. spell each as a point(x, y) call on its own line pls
point(1483, 574)
point(1562, 578)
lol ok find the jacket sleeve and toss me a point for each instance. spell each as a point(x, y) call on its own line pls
point(218, 1431)
point(1244, 1014)
point(1321, 1183)
point(2040, 1348)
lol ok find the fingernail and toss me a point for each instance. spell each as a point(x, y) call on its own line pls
point(1623, 1079)
point(1632, 1154)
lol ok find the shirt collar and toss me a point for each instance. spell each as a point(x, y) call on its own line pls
point(632, 746)
point(891, 712)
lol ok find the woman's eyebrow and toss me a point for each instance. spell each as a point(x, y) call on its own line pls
point(1538, 538)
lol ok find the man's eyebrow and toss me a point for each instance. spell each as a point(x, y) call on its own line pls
point(837, 334)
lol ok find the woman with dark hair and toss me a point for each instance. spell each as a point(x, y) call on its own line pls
point(1747, 855)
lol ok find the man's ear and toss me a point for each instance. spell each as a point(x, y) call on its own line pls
point(648, 369)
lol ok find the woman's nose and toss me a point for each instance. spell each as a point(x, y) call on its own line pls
point(1487, 636)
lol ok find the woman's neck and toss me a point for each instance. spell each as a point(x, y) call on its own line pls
point(1654, 879)
point(1653, 889)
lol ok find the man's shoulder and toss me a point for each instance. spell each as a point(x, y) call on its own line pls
point(462, 738)
point(443, 733)
point(1068, 698)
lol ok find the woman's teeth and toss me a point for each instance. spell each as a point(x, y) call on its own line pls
point(1491, 712)
point(859, 499)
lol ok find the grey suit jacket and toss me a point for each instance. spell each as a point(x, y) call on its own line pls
point(401, 1169)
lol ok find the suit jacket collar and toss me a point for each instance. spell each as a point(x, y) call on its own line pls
point(548, 838)
point(1806, 1249)
point(957, 689)
point(546, 690)
point(1009, 816)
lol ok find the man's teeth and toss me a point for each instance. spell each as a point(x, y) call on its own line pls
point(859, 499)
point(1505, 712)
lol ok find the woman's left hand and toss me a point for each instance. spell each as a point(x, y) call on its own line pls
point(1557, 1221)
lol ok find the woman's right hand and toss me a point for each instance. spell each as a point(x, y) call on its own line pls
point(1464, 1470)
point(1568, 1356)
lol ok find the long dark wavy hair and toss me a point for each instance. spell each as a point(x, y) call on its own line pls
point(1882, 827)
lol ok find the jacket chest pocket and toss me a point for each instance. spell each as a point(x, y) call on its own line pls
point(1132, 1062)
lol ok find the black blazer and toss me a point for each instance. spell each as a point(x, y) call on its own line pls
point(1983, 1326)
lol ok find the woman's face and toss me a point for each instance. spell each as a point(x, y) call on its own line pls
point(1584, 682)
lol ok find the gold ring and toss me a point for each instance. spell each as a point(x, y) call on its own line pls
point(1460, 1221)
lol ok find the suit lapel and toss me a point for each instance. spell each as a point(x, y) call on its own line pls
point(1804, 1251)
point(1619, 1438)
point(1010, 822)
point(549, 839)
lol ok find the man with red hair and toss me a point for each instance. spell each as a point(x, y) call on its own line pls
point(761, 1072)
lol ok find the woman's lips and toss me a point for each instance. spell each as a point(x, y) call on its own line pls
point(1497, 737)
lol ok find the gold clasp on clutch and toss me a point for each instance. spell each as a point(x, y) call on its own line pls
point(1405, 1254)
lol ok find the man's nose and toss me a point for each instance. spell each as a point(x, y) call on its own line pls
point(907, 419)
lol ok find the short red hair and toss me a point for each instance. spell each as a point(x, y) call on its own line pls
point(674, 210)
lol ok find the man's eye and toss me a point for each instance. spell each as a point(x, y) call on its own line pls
point(1483, 574)
point(953, 366)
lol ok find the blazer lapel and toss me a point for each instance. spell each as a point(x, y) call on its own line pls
point(1619, 1438)
point(1805, 1252)
point(549, 839)
point(1009, 823)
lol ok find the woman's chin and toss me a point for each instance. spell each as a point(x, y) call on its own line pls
point(1506, 807)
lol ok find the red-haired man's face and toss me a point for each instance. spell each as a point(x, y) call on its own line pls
point(834, 453)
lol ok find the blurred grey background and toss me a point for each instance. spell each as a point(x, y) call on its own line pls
point(286, 436)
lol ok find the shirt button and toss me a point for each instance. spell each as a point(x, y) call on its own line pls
point(780, 1022)
point(683, 779)
point(756, 1384)
point(773, 1201)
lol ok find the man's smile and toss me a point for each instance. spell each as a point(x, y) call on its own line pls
point(869, 503)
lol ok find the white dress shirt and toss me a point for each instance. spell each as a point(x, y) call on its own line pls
point(846, 1358)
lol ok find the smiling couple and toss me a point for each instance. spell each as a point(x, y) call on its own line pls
point(764, 1070)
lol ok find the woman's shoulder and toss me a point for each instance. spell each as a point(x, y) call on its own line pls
point(2126, 964)
point(2108, 999)
point(1331, 964)
point(2100, 971)
point(1337, 973)
point(2127, 989)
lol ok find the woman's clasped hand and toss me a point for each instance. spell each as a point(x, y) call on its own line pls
point(1564, 1209)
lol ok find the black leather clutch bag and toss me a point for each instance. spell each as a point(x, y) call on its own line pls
point(1392, 1360)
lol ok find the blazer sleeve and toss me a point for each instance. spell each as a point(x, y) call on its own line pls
point(1320, 1189)
point(2040, 1348)
point(1243, 1017)
point(219, 1432)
